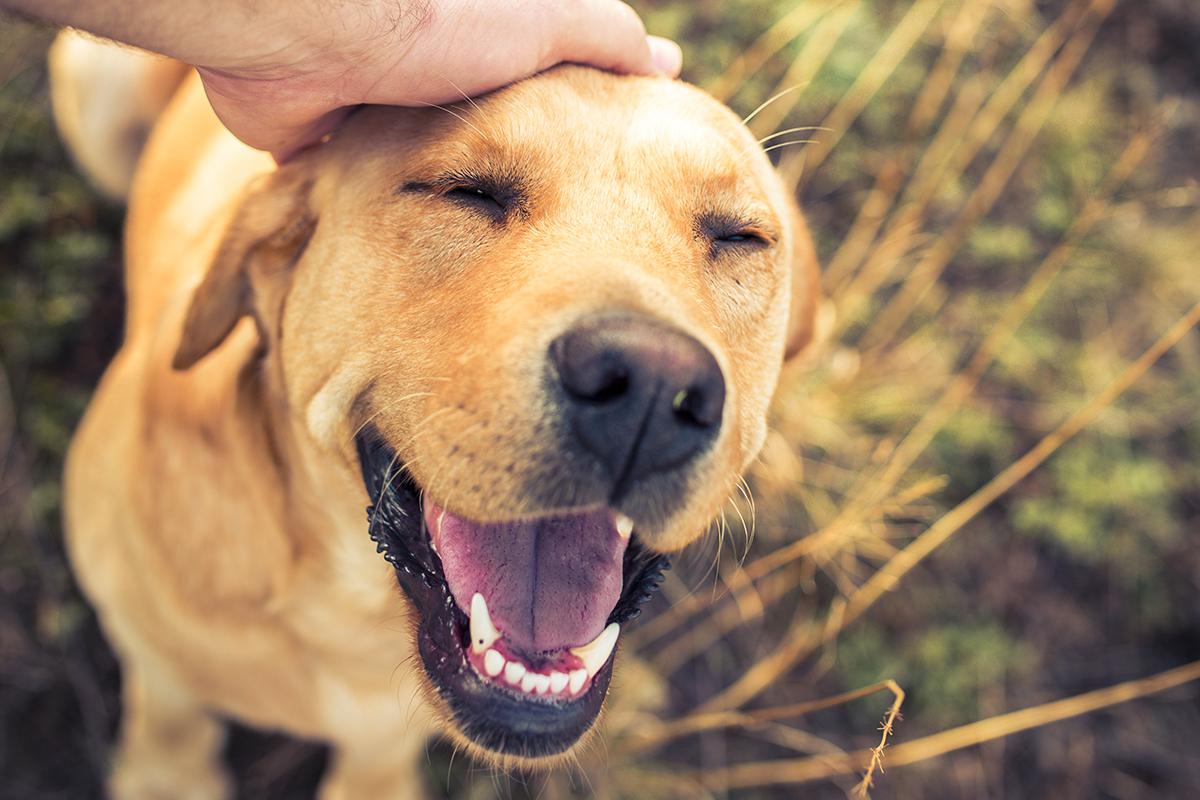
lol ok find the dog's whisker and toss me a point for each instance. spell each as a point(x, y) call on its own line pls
point(468, 99)
point(390, 406)
point(465, 96)
point(450, 768)
point(714, 569)
point(413, 706)
point(455, 114)
point(388, 477)
point(542, 786)
point(430, 488)
point(788, 144)
point(785, 132)
point(404, 662)
point(746, 492)
point(745, 528)
point(754, 152)
point(421, 428)
point(770, 100)
point(585, 778)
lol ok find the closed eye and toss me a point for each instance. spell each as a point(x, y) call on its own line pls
point(742, 237)
point(493, 197)
point(479, 198)
point(729, 234)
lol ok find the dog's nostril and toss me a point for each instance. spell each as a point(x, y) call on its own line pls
point(590, 376)
point(614, 386)
point(697, 407)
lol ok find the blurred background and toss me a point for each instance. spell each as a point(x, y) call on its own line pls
point(984, 487)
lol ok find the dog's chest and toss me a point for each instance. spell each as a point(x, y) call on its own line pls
point(355, 635)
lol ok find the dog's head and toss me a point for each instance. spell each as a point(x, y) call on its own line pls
point(546, 325)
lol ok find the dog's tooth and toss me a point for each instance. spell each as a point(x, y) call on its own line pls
point(558, 681)
point(513, 672)
point(529, 682)
point(542, 683)
point(578, 678)
point(493, 663)
point(483, 632)
point(597, 651)
point(624, 526)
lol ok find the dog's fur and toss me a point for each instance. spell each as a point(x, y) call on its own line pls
point(214, 506)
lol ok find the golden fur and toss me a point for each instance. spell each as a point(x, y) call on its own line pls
point(215, 512)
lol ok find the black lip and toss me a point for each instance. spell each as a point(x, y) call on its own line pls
point(490, 716)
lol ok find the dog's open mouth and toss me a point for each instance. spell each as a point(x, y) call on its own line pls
point(519, 621)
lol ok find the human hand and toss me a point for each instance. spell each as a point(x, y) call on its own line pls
point(294, 88)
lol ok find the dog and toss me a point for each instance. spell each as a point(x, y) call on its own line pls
point(401, 431)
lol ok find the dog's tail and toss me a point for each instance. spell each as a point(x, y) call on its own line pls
point(106, 97)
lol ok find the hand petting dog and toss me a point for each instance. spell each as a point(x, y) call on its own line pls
point(283, 75)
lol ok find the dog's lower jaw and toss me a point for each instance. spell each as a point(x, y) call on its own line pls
point(496, 720)
point(524, 764)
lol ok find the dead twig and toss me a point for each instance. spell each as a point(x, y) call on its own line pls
point(814, 768)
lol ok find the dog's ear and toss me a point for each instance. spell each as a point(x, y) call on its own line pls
point(248, 276)
point(806, 289)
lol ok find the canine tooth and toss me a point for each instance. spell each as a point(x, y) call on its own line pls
point(513, 672)
point(578, 678)
point(624, 526)
point(542, 684)
point(529, 682)
point(493, 663)
point(483, 632)
point(597, 651)
point(558, 681)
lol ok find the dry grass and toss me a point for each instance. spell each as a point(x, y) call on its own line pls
point(892, 261)
point(808, 770)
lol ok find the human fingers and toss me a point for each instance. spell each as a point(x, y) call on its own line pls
point(609, 34)
point(280, 116)
point(667, 56)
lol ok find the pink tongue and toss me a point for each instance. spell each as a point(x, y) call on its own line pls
point(549, 583)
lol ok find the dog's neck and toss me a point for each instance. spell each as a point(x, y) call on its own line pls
point(323, 498)
point(278, 506)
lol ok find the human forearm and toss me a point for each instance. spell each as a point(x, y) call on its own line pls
point(257, 36)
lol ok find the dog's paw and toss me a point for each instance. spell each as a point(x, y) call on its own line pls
point(157, 780)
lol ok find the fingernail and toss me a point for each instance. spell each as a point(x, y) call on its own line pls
point(666, 55)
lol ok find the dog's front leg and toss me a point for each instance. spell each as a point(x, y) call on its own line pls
point(170, 746)
point(387, 770)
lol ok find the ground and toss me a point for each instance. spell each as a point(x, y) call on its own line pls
point(1056, 234)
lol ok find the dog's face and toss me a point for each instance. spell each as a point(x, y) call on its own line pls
point(546, 325)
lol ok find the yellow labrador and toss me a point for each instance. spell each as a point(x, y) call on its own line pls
point(400, 431)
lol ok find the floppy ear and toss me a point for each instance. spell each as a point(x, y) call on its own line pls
point(806, 289)
point(250, 271)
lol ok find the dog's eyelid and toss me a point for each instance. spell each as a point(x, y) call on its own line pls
point(755, 230)
point(496, 184)
point(414, 187)
point(498, 197)
point(723, 229)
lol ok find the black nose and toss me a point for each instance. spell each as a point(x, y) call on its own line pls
point(642, 396)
